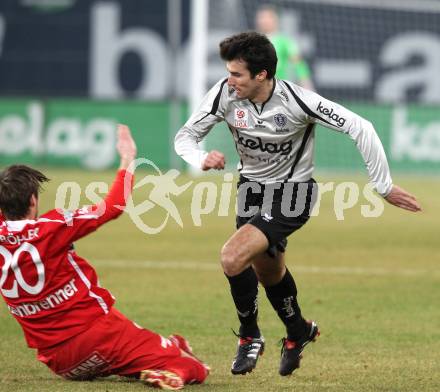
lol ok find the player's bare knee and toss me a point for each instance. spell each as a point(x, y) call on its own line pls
point(231, 262)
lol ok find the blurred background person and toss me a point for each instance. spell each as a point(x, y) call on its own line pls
point(287, 49)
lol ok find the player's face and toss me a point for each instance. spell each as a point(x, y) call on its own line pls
point(266, 21)
point(240, 79)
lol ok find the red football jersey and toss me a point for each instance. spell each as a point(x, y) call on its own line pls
point(52, 292)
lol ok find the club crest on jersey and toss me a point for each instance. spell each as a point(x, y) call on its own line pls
point(280, 120)
point(241, 118)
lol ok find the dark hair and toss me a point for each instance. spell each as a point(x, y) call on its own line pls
point(17, 184)
point(253, 48)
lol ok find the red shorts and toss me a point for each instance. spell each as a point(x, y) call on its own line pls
point(116, 345)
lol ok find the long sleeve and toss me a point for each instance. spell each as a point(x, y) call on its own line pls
point(73, 225)
point(209, 113)
point(336, 117)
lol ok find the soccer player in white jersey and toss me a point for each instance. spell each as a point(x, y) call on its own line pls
point(272, 123)
point(55, 296)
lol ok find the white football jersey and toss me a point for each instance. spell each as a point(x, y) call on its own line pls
point(275, 139)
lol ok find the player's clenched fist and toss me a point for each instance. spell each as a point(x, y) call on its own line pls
point(126, 146)
point(214, 160)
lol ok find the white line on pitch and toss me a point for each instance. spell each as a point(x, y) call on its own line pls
point(209, 266)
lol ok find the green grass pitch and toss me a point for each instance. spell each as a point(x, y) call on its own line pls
point(372, 284)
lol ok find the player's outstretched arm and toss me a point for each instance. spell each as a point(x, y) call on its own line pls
point(214, 160)
point(84, 221)
point(400, 198)
point(126, 146)
point(113, 204)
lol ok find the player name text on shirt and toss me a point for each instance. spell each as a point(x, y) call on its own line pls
point(50, 302)
point(18, 239)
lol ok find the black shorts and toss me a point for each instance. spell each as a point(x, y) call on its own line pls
point(276, 209)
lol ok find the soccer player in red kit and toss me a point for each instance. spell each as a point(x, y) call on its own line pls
point(55, 295)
